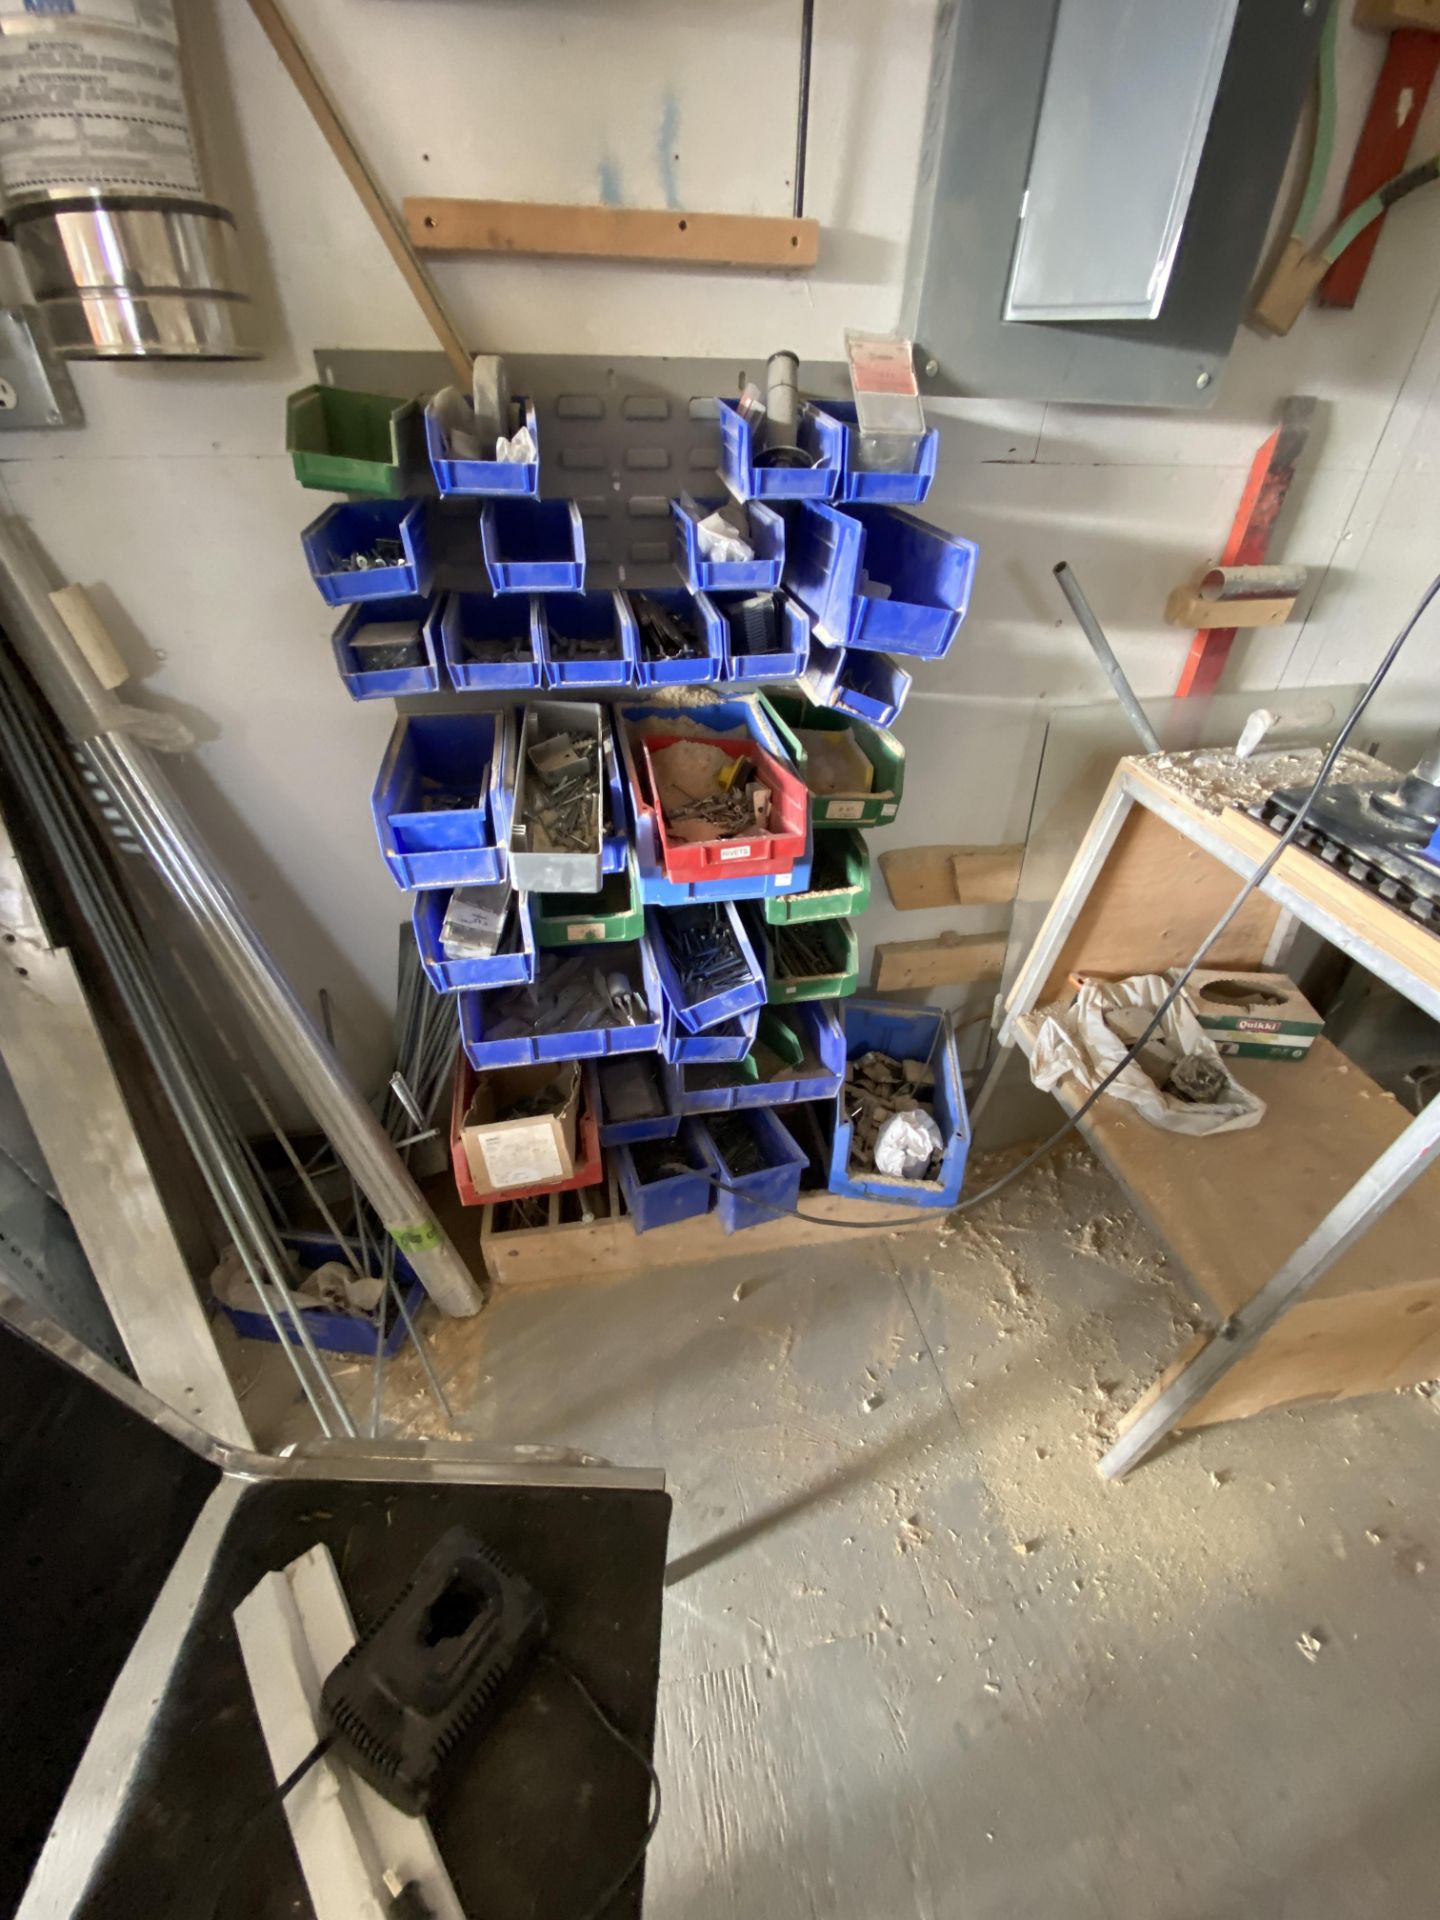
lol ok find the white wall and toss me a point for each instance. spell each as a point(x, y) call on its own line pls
point(175, 502)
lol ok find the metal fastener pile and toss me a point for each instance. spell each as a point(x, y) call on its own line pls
point(659, 1160)
point(801, 953)
point(736, 1145)
point(584, 646)
point(569, 993)
point(383, 553)
point(562, 798)
point(706, 794)
point(436, 797)
point(497, 653)
point(878, 1089)
point(384, 645)
point(701, 941)
point(665, 635)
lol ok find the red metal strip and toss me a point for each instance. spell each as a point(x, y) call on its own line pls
point(1399, 99)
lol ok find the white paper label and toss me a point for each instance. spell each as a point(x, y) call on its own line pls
point(844, 809)
point(888, 812)
point(736, 853)
point(577, 930)
point(520, 1156)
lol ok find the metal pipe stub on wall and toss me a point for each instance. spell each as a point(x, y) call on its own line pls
point(101, 181)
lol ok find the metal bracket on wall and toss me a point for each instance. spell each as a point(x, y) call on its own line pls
point(35, 385)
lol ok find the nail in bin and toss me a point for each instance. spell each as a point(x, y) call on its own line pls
point(768, 1191)
point(773, 851)
point(334, 1332)
point(633, 1104)
point(457, 474)
point(816, 960)
point(921, 1033)
point(587, 623)
point(665, 1181)
point(864, 807)
point(839, 883)
point(467, 758)
point(582, 1153)
point(385, 647)
point(766, 536)
point(811, 1067)
point(867, 686)
point(748, 657)
point(878, 580)
point(728, 1041)
point(499, 1030)
point(345, 442)
point(488, 641)
point(716, 925)
point(514, 963)
point(906, 485)
point(692, 610)
point(742, 460)
point(557, 869)
point(533, 546)
point(359, 527)
point(589, 919)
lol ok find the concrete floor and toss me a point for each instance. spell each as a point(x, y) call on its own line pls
point(919, 1660)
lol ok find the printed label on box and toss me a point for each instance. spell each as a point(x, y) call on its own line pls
point(735, 853)
point(578, 930)
point(844, 809)
point(526, 1158)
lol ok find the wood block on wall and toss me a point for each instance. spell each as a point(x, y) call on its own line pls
point(611, 233)
point(947, 960)
point(950, 876)
point(1386, 15)
point(1185, 608)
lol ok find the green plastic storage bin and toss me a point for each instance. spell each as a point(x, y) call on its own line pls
point(880, 747)
point(835, 939)
point(587, 919)
point(347, 442)
point(839, 883)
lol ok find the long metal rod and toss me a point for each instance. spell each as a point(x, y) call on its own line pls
point(802, 105)
point(1104, 653)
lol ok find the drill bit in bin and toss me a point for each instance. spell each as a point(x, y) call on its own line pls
point(707, 956)
point(801, 953)
point(706, 794)
point(562, 793)
point(736, 1145)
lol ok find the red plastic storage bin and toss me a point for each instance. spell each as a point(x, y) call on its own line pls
point(589, 1162)
point(772, 852)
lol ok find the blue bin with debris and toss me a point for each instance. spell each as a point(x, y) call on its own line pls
point(498, 1030)
point(742, 458)
point(859, 482)
point(384, 648)
point(867, 686)
point(390, 537)
point(489, 642)
point(765, 535)
point(533, 546)
point(766, 1192)
point(443, 797)
point(905, 1033)
point(587, 640)
point(330, 1328)
point(694, 610)
point(813, 1070)
point(665, 1183)
point(878, 580)
point(460, 474)
point(514, 963)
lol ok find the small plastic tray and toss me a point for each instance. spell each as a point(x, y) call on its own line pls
point(533, 546)
point(906, 1033)
point(867, 686)
point(754, 1199)
point(859, 484)
point(454, 475)
point(589, 919)
point(767, 537)
point(696, 1015)
point(334, 1332)
point(462, 846)
point(589, 1165)
point(720, 1045)
point(463, 617)
point(839, 884)
point(774, 851)
point(718, 1089)
point(347, 442)
point(788, 660)
point(604, 615)
point(703, 669)
point(885, 753)
point(657, 1126)
point(661, 1203)
point(505, 969)
point(831, 552)
point(541, 869)
point(815, 433)
point(387, 682)
point(574, 1043)
point(353, 527)
point(837, 939)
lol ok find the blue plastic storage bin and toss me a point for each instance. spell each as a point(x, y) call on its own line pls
point(831, 552)
point(587, 616)
point(385, 683)
point(459, 752)
point(483, 476)
point(906, 1033)
point(465, 619)
point(788, 660)
point(696, 1015)
point(354, 527)
point(615, 848)
point(701, 670)
point(895, 489)
point(533, 546)
point(867, 686)
point(680, 1196)
point(574, 1043)
point(506, 969)
point(334, 1332)
point(720, 1045)
point(767, 537)
point(772, 1191)
point(618, 1133)
point(815, 434)
point(711, 1089)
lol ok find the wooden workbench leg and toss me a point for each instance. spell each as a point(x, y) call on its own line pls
point(1402, 1163)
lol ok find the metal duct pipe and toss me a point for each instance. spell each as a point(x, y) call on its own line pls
point(126, 253)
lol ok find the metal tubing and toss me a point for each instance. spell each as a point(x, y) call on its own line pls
point(1103, 652)
point(802, 105)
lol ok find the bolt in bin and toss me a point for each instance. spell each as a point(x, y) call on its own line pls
point(354, 527)
point(745, 474)
point(514, 963)
point(878, 580)
point(773, 1189)
point(867, 686)
point(585, 919)
point(589, 1167)
point(864, 807)
point(861, 483)
point(552, 869)
point(356, 634)
point(693, 671)
point(905, 1033)
point(767, 537)
point(603, 619)
point(695, 1014)
point(672, 1197)
point(622, 1084)
point(468, 626)
point(533, 546)
point(331, 1330)
point(459, 474)
point(811, 1068)
point(839, 883)
point(479, 1016)
point(785, 661)
point(430, 756)
point(727, 1042)
point(834, 972)
point(346, 442)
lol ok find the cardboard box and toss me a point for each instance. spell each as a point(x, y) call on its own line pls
point(529, 1152)
point(1253, 1016)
